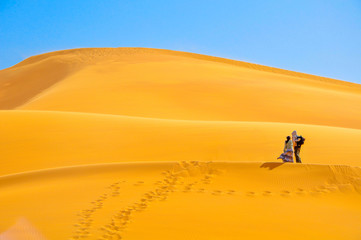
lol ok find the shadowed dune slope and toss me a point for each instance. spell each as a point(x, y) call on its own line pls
point(20, 84)
point(187, 200)
point(176, 85)
point(38, 140)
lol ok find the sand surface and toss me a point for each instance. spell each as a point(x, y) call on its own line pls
point(134, 143)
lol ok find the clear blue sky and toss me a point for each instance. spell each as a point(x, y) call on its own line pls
point(321, 37)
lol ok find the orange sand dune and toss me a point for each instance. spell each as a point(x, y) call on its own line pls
point(175, 85)
point(188, 200)
point(134, 143)
point(38, 140)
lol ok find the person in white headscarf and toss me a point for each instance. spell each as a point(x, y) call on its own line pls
point(287, 155)
point(297, 142)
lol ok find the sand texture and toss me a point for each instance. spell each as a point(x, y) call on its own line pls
point(135, 143)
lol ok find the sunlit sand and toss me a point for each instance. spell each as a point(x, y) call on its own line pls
point(134, 143)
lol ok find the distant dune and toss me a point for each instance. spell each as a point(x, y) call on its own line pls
point(175, 85)
point(136, 143)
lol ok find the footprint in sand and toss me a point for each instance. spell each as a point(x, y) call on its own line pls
point(149, 196)
point(231, 192)
point(207, 179)
point(250, 194)
point(158, 183)
point(188, 188)
point(217, 192)
point(285, 193)
point(139, 183)
point(322, 189)
point(267, 193)
point(300, 192)
point(201, 190)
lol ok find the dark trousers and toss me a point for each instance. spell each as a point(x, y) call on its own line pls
point(297, 154)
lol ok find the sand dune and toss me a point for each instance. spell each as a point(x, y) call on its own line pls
point(134, 143)
point(38, 140)
point(189, 200)
point(175, 85)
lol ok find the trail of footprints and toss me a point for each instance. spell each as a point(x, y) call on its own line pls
point(179, 179)
point(84, 225)
point(171, 182)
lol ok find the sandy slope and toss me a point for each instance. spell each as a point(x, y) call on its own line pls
point(38, 140)
point(196, 200)
point(137, 143)
point(176, 85)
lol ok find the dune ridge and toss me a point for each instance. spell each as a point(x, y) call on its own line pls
point(106, 52)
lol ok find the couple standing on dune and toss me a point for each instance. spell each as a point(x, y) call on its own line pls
point(291, 146)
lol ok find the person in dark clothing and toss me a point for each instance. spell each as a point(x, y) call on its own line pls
point(298, 141)
point(297, 150)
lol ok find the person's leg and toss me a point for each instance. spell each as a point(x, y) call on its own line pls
point(297, 154)
point(289, 157)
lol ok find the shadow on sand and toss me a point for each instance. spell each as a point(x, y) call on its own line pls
point(271, 165)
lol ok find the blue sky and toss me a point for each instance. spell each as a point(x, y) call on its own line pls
point(321, 37)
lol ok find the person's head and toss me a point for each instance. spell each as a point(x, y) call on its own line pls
point(288, 138)
point(294, 134)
